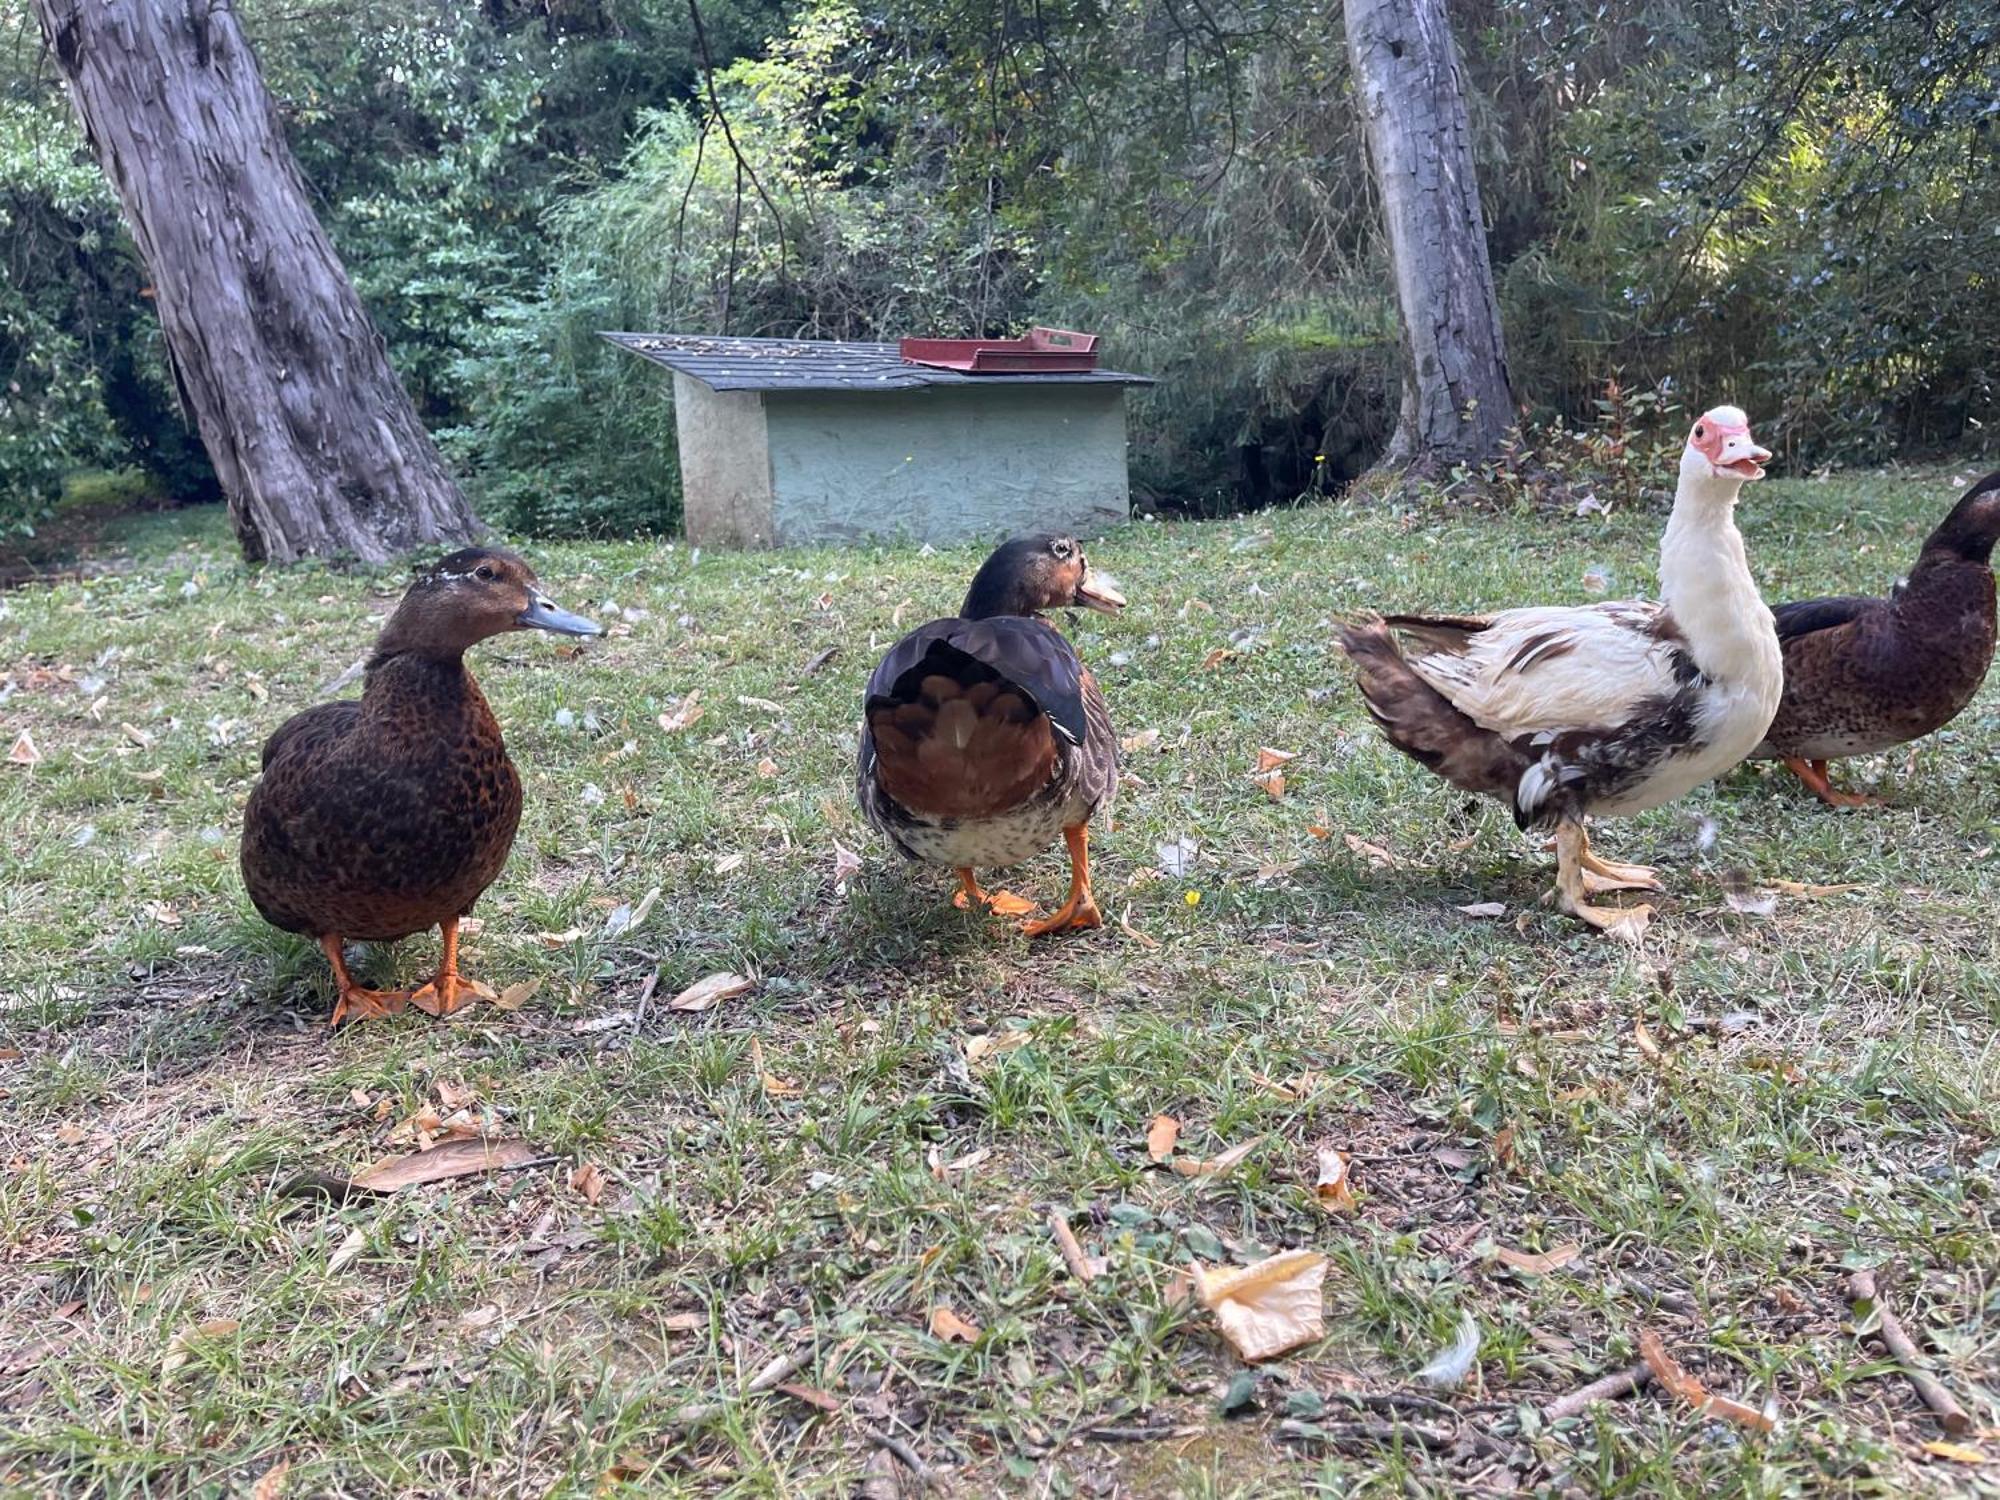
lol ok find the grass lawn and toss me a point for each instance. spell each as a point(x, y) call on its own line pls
point(1703, 1138)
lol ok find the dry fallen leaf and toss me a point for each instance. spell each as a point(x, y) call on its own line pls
point(1958, 1453)
point(1085, 1268)
point(1648, 1048)
point(517, 994)
point(1145, 739)
point(1291, 1090)
point(588, 1179)
point(1267, 1308)
point(1334, 1188)
point(979, 1049)
point(1534, 1263)
point(1125, 926)
point(187, 1338)
point(1273, 783)
point(772, 1083)
point(455, 1095)
point(812, 1395)
point(1800, 888)
point(767, 768)
point(271, 1483)
point(683, 714)
point(347, 1252)
point(1269, 759)
point(24, 752)
point(559, 939)
point(949, 1326)
point(729, 864)
point(1216, 657)
point(1161, 1135)
point(1485, 909)
point(1377, 857)
point(711, 991)
point(1227, 1161)
point(453, 1159)
point(1677, 1381)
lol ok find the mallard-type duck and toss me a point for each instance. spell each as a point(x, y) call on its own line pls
point(1601, 710)
point(1863, 675)
point(984, 736)
point(378, 818)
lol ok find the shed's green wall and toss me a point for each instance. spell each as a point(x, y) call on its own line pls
point(946, 464)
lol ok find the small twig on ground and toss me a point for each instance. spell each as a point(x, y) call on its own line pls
point(1137, 1434)
point(1080, 1265)
point(1951, 1416)
point(905, 1454)
point(1375, 1432)
point(645, 999)
point(782, 1368)
point(1673, 1302)
point(1604, 1388)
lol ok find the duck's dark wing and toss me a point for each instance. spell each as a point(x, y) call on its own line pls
point(311, 732)
point(1810, 616)
point(963, 717)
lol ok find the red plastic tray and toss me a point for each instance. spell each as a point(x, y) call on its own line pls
point(1043, 351)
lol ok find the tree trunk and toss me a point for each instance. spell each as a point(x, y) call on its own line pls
point(1456, 401)
point(313, 437)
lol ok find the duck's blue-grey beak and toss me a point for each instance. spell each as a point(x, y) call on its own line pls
point(543, 614)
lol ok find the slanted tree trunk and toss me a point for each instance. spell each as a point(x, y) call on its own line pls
point(1456, 401)
point(313, 437)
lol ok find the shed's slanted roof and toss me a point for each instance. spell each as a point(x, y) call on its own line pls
point(733, 364)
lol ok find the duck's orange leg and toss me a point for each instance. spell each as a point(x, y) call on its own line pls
point(354, 1003)
point(1002, 903)
point(1080, 910)
point(451, 990)
point(1813, 774)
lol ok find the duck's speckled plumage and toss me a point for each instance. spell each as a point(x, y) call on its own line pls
point(1863, 675)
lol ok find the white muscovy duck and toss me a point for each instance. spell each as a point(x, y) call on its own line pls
point(1606, 709)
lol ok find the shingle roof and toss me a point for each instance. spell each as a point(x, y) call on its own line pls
point(733, 364)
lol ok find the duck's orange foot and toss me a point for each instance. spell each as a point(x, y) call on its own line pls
point(449, 992)
point(358, 1004)
point(1077, 913)
point(1001, 903)
point(1813, 774)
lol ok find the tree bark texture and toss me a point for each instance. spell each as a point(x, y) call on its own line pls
point(1457, 404)
point(316, 443)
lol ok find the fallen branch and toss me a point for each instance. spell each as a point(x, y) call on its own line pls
point(1673, 1302)
point(1137, 1434)
point(780, 1369)
point(905, 1454)
point(1604, 1388)
point(1951, 1416)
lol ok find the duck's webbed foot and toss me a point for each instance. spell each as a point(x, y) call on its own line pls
point(1813, 774)
point(1080, 910)
point(1000, 903)
point(450, 991)
point(354, 1002)
point(1572, 891)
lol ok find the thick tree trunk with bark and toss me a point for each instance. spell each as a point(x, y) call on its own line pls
point(313, 437)
point(1457, 404)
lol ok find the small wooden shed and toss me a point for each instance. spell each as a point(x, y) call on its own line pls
point(787, 442)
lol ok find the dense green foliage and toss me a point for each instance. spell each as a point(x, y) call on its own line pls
point(1794, 204)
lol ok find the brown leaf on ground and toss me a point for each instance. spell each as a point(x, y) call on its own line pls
point(1125, 926)
point(1800, 888)
point(588, 1179)
point(1216, 657)
point(1503, 1146)
point(271, 1483)
point(1680, 1383)
point(1273, 783)
point(24, 752)
point(1161, 1135)
point(518, 994)
point(782, 1088)
point(944, 1170)
point(1377, 857)
point(456, 1095)
point(979, 1049)
point(563, 939)
point(1334, 1187)
point(453, 1159)
point(360, 1098)
point(1538, 1263)
point(713, 990)
point(1145, 739)
point(1299, 1086)
point(1085, 1268)
point(812, 1395)
point(767, 768)
point(1267, 1308)
point(1215, 1167)
point(1643, 1039)
point(683, 714)
point(949, 1326)
point(1269, 759)
point(187, 1338)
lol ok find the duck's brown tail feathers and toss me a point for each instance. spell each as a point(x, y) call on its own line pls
point(1420, 721)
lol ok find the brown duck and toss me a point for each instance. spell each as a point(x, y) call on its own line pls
point(984, 736)
point(1863, 675)
point(379, 818)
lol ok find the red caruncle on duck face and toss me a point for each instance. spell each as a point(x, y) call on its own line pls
point(1722, 436)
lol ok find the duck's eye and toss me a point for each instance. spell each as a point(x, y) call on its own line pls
point(1700, 432)
point(484, 573)
point(1063, 550)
